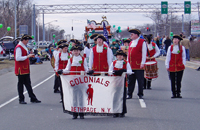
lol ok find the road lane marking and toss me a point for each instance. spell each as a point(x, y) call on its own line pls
point(142, 103)
point(9, 101)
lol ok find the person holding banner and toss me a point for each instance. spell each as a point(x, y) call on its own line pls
point(152, 52)
point(61, 61)
point(136, 57)
point(175, 64)
point(76, 63)
point(117, 67)
point(100, 56)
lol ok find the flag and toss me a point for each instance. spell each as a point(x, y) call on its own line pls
point(105, 33)
point(90, 25)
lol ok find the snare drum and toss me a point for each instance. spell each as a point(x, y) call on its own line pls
point(150, 70)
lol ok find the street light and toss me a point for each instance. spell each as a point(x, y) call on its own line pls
point(44, 28)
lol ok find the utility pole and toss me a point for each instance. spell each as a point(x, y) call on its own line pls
point(170, 29)
point(182, 23)
point(15, 19)
point(43, 29)
point(34, 22)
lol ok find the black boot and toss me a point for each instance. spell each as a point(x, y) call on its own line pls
point(179, 95)
point(174, 96)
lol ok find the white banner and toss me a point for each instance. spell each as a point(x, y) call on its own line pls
point(92, 94)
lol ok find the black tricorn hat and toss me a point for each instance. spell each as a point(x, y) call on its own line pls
point(76, 47)
point(95, 39)
point(59, 44)
point(148, 37)
point(26, 37)
point(94, 35)
point(64, 45)
point(120, 52)
point(127, 40)
point(73, 40)
point(102, 37)
point(178, 36)
point(136, 31)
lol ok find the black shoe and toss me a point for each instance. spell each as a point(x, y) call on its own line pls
point(148, 87)
point(144, 88)
point(22, 102)
point(179, 96)
point(115, 115)
point(74, 117)
point(36, 101)
point(122, 115)
point(173, 96)
point(140, 97)
point(198, 69)
point(82, 117)
point(61, 101)
point(56, 91)
point(128, 97)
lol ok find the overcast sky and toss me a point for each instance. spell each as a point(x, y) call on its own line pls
point(80, 20)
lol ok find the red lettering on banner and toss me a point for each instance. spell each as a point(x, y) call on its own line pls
point(102, 81)
point(90, 79)
point(94, 110)
point(76, 79)
point(71, 83)
point(81, 109)
point(107, 83)
point(98, 80)
point(102, 110)
point(94, 79)
point(91, 109)
point(85, 79)
point(108, 110)
point(88, 109)
point(84, 109)
point(80, 80)
point(74, 109)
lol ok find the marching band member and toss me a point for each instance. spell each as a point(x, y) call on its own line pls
point(117, 67)
point(175, 64)
point(100, 56)
point(152, 52)
point(61, 61)
point(136, 58)
point(56, 81)
point(22, 70)
point(75, 63)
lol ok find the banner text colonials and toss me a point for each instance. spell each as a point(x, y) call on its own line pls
point(90, 79)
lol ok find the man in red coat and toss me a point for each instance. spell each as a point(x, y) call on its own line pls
point(136, 57)
point(100, 56)
point(22, 70)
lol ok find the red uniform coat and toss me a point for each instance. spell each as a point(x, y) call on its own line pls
point(62, 64)
point(124, 65)
point(176, 61)
point(135, 55)
point(152, 52)
point(77, 68)
point(21, 67)
point(100, 62)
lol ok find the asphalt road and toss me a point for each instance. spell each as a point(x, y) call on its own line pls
point(161, 112)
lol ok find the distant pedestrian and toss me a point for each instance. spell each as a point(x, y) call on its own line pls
point(167, 43)
point(186, 43)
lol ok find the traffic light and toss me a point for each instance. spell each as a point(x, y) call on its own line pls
point(127, 28)
point(148, 29)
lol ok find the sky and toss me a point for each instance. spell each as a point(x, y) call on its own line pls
point(64, 21)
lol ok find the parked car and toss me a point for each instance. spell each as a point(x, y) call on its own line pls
point(2, 53)
point(9, 45)
point(43, 45)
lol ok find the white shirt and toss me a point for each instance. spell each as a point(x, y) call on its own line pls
point(87, 51)
point(175, 51)
point(19, 56)
point(150, 47)
point(75, 62)
point(144, 49)
point(119, 65)
point(63, 57)
point(100, 50)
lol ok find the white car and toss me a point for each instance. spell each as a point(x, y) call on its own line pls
point(2, 54)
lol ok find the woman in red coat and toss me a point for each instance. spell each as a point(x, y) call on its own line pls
point(175, 64)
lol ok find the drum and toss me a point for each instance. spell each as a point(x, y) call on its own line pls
point(150, 70)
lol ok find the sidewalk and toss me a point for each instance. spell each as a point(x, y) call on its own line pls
point(194, 64)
